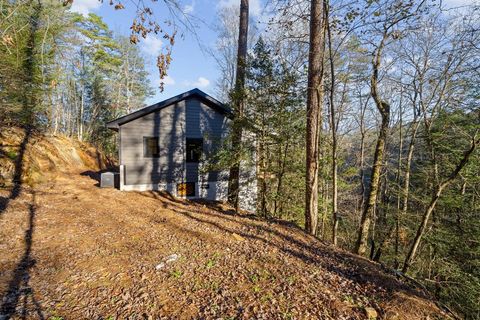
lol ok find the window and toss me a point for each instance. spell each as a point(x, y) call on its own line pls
point(186, 189)
point(194, 149)
point(150, 147)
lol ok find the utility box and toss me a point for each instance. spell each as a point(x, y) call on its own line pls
point(107, 180)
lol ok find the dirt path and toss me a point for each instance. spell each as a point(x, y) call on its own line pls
point(74, 251)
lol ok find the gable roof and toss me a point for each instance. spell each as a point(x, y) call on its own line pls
point(208, 100)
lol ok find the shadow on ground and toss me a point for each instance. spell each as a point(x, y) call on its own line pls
point(19, 290)
point(18, 172)
point(304, 247)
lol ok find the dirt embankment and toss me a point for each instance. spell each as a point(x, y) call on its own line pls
point(70, 250)
point(34, 157)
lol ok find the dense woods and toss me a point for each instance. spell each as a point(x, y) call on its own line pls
point(365, 117)
point(394, 89)
point(67, 73)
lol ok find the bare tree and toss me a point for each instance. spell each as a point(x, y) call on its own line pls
point(394, 19)
point(333, 126)
point(384, 109)
point(433, 202)
point(314, 112)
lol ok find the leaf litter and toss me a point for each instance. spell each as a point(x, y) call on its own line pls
point(96, 254)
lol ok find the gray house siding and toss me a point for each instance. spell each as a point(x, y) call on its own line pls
point(192, 114)
point(189, 118)
point(204, 122)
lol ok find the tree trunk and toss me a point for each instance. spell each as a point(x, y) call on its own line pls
point(261, 169)
point(314, 113)
point(385, 231)
point(362, 153)
point(399, 193)
point(238, 102)
point(436, 195)
point(333, 126)
point(325, 208)
point(280, 179)
point(384, 109)
point(406, 189)
point(80, 117)
point(395, 227)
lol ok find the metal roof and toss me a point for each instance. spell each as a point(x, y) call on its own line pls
point(208, 100)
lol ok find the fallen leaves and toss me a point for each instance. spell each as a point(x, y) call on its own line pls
point(371, 313)
point(95, 260)
point(238, 237)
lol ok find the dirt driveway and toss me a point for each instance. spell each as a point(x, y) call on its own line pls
point(70, 250)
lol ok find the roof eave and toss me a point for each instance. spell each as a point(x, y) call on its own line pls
point(220, 107)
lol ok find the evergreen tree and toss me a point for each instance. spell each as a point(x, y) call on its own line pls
point(274, 115)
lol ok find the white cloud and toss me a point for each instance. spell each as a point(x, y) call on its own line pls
point(254, 8)
point(151, 45)
point(201, 82)
point(189, 8)
point(84, 7)
point(168, 81)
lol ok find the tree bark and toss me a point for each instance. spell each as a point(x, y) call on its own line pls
point(263, 174)
point(333, 126)
point(362, 154)
point(383, 231)
point(238, 102)
point(397, 180)
point(406, 189)
point(314, 113)
point(282, 166)
point(384, 109)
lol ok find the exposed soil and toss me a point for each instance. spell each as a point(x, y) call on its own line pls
point(41, 157)
point(73, 250)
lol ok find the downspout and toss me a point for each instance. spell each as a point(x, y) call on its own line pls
point(120, 162)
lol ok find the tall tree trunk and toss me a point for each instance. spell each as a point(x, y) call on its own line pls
point(333, 126)
point(384, 109)
point(314, 113)
point(397, 180)
point(405, 189)
point(324, 193)
point(80, 117)
point(408, 165)
point(263, 172)
point(282, 166)
point(385, 231)
point(239, 103)
point(433, 202)
point(362, 152)
point(395, 227)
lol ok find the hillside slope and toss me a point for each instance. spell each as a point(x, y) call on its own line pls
point(44, 157)
point(72, 250)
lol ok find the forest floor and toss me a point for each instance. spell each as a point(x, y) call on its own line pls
point(74, 251)
point(71, 250)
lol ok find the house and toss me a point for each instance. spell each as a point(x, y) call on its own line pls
point(164, 147)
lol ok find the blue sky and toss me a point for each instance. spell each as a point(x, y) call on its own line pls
point(191, 66)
